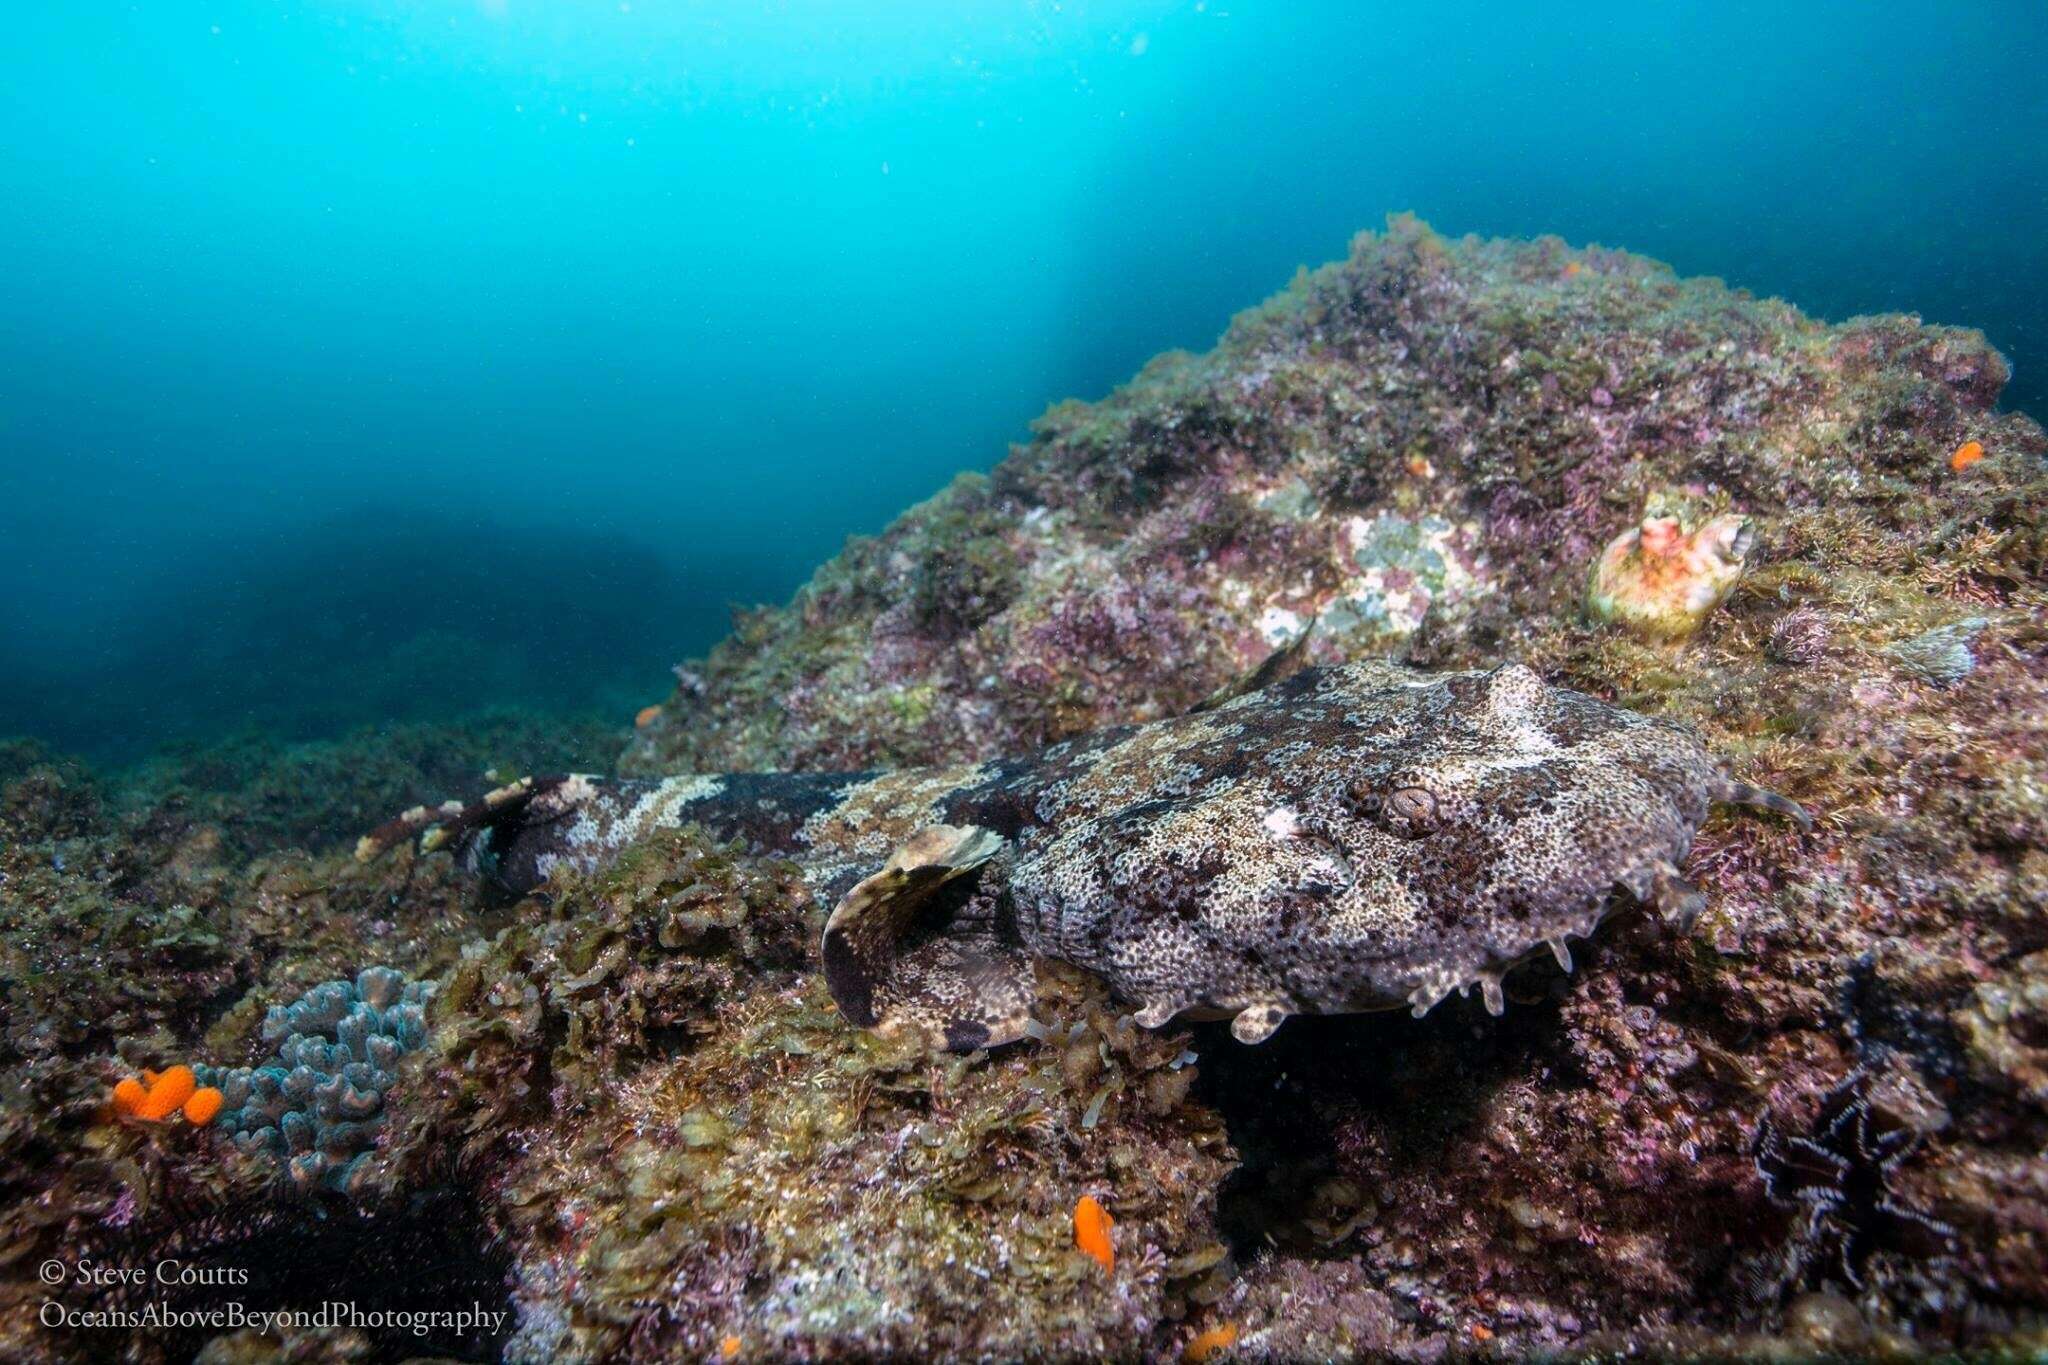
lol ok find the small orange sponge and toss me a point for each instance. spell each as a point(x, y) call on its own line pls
point(646, 716)
point(128, 1097)
point(1091, 1231)
point(1210, 1344)
point(168, 1094)
point(1967, 454)
point(203, 1106)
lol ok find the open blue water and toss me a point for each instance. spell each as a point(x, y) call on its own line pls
point(368, 358)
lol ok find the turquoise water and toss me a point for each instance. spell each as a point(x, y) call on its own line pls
point(371, 359)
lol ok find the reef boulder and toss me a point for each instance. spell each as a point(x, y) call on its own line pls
point(1422, 451)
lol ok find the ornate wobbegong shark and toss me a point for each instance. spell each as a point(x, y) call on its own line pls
point(1355, 838)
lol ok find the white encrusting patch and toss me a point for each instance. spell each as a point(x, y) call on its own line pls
point(1396, 572)
point(1282, 822)
point(1279, 625)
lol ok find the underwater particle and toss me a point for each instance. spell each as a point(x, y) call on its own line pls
point(318, 1104)
point(1091, 1232)
point(1840, 1172)
point(1941, 656)
point(1661, 580)
point(204, 1106)
point(646, 716)
point(1967, 454)
point(1210, 1344)
point(1800, 637)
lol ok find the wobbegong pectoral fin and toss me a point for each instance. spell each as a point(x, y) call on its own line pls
point(1277, 667)
point(917, 946)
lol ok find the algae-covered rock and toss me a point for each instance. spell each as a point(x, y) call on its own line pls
point(2005, 1027)
point(136, 933)
point(687, 1145)
point(1423, 450)
point(1423, 447)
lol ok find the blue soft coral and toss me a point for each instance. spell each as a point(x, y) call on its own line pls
point(318, 1103)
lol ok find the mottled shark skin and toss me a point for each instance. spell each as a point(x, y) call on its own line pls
point(1354, 838)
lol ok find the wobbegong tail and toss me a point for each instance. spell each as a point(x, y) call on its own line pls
point(516, 836)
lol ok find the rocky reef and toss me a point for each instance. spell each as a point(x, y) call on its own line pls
point(1812, 1122)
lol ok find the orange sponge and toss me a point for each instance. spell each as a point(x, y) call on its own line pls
point(1091, 1231)
point(128, 1097)
point(204, 1105)
point(1210, 1344)
point(168, 1094)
